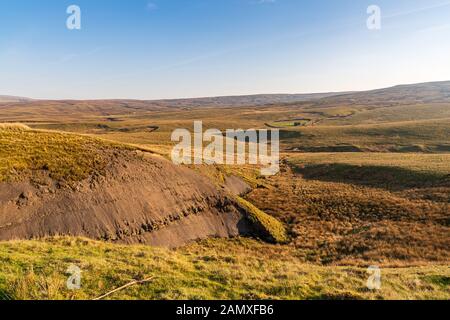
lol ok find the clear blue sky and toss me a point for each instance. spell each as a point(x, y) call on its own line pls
point(187, 48)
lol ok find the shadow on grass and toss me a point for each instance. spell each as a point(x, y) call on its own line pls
point(340, 296)
point(390, 178)
point(290, 134)
point(4, 295)
point(439, 280)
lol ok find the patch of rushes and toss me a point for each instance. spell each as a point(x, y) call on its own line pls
point(270, 228)
point(65, 157)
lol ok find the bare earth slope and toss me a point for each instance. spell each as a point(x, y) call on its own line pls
point(134, 197)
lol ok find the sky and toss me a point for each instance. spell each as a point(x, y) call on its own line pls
point(156, 49)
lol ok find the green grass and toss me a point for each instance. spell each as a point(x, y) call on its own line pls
point(213, 269)
point(273, 229)
point(64, 157)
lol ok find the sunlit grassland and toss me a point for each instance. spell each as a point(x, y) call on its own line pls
point(212, 269)
point(414, 136)
point(437, 164)
point(396, 113)
point(394, 171)
point(348, 208)
point(390, 128)
point(65, 157)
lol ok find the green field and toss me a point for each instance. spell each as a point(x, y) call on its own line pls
point(214, 269)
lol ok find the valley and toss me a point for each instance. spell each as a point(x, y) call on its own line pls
point(364, 180)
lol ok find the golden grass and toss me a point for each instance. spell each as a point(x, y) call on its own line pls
point(339, 208)
point(380, 213)
point(387, 170)
point(403, 128)
point(212, 269)
point(64, 157)
point(13, 126)
point(418, 162)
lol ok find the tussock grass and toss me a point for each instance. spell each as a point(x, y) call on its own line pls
point(272, 229)
point(388, 209)
point(212, 269)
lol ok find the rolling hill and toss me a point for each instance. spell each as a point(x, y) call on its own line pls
point(63, 184)
point(364, 181)
point(7, 99)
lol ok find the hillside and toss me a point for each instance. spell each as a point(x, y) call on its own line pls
point(386, 209)
point(364, 181)
point(7, 99)
point(246, 100)
point(65, 184)
point(428, 92)
point(76, 110)
point(398, 119)
point(412, 94)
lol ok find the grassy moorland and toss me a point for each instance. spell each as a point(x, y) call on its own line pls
point(409, 136)
point(364, 181)
point(65, 157)
point(375, 169)
point(353, 208)
point(213, 269)
point(412, 118)
point(155, 130)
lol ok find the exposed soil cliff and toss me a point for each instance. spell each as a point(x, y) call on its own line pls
point(138, 198)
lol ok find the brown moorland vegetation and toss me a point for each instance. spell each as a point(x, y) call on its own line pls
point(364, 181)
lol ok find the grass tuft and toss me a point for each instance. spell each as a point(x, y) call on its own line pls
point(271, 229)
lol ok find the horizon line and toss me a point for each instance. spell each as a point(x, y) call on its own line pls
point(225, 95)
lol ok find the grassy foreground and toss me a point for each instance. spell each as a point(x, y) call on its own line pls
point(222, 269)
